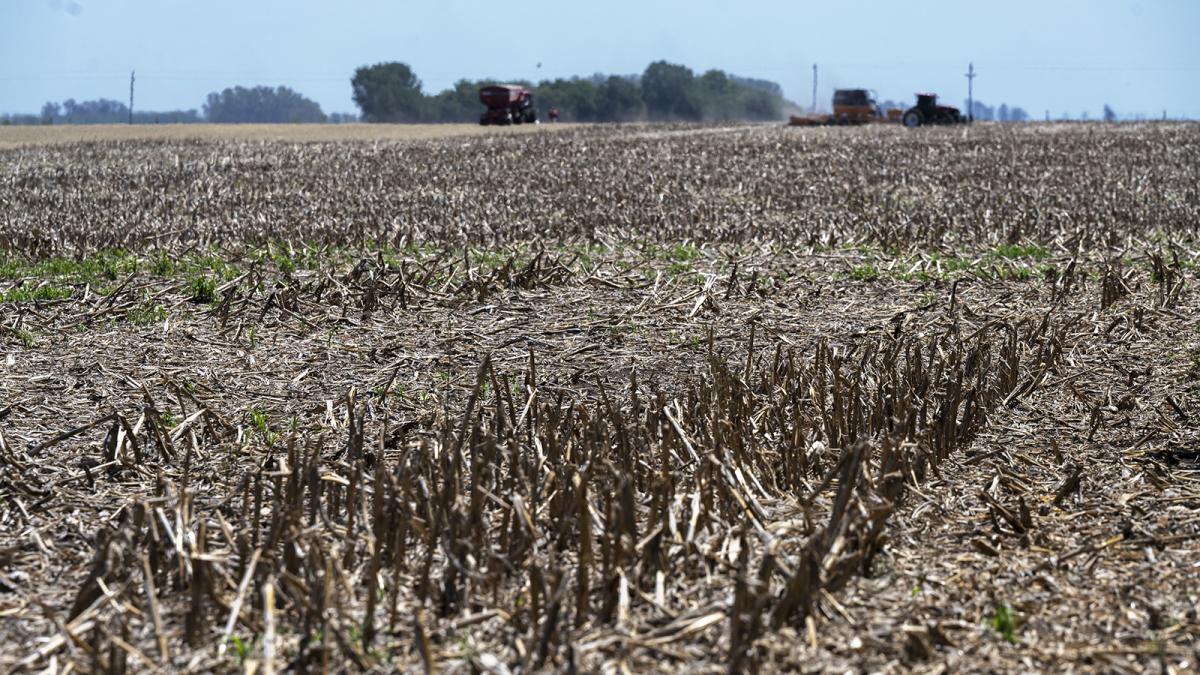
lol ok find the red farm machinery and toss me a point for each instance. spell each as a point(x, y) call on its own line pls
point(857, 106)
point(927, 111)
point(507, 104)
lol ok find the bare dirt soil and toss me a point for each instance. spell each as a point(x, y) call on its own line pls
point(610, 399)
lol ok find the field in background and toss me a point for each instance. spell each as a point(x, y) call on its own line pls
point(24, 136)
point(718, 399)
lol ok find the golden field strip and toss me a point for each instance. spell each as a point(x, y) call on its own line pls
point(25, 136)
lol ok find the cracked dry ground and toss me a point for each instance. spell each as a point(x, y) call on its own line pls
point(691, 456)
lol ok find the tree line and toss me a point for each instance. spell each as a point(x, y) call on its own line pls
point(1000, 113)
point(262, 105)
point(99, 111)
point(392, 92)
point(267, 105)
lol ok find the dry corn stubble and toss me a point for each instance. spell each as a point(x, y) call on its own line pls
point(731, 399)
point(32, 136)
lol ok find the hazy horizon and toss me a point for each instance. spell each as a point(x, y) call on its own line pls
point(1066, 57)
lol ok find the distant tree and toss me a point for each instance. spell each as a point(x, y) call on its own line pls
point(1110, 115)
point(341, 118)
point(460, 103)
point(669, 92)
point(584, 99)
point(388, 92)
point(102, 111)
point(21, 119)
point(758, 104)
point(391, 92)
point(767, 86)
point(717, 95)
point(716, 83)
point(261, 105)
point(577, 99)
point(983, 112)
point(99, 111)
point(619, 99)
point(1000, 113)
point(50, 112)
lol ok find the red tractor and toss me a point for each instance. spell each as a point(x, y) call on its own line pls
point(507, 104)
point(927, 111)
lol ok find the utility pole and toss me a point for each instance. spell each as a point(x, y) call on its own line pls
point(814, 100)
point(131, 97)
point(970, 92)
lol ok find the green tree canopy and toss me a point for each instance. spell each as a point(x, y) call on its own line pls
point(619, 100)
point(102, 111)
point(459, 103)
point(758, 104)
point(717, 94)
point(264, 105)
point(576, 98)
point(389, 92)
point(669, 92)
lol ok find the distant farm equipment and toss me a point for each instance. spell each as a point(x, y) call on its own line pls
point(858, 106)
point(850, 106)
point(507, 104)
point(927, 111)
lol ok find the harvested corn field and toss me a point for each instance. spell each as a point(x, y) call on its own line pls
point(614, 398)
point(27, 136)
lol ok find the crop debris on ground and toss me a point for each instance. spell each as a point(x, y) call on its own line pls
point(741, 399)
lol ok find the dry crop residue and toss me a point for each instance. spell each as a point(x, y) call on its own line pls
point(31, 136)
point(622, 397)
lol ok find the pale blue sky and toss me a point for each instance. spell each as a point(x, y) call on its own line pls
point(1065, 56)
